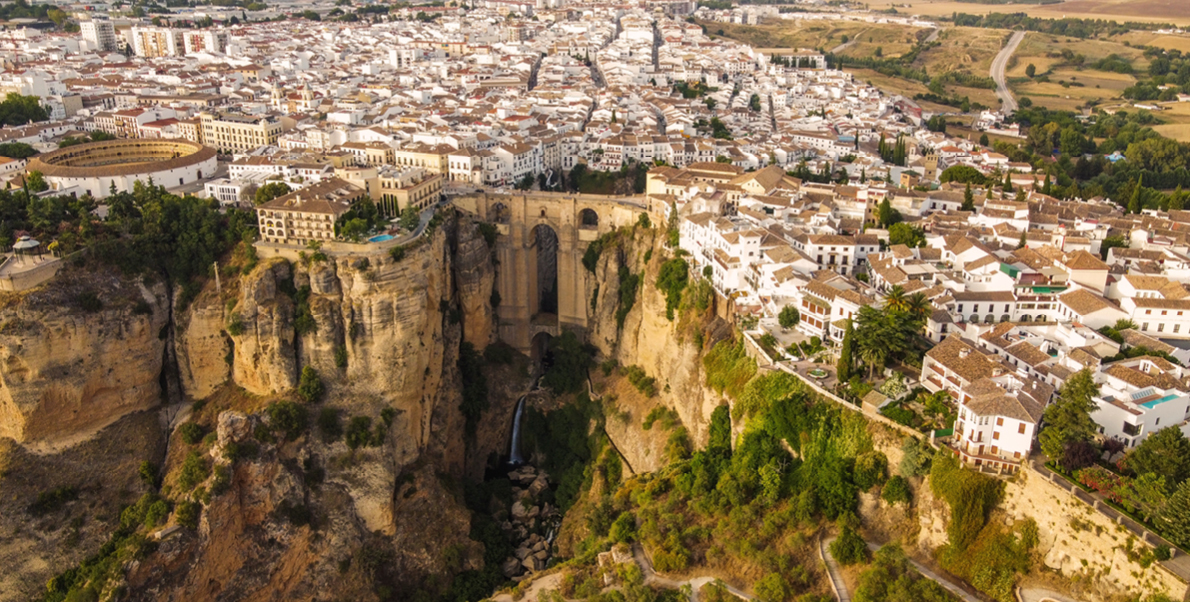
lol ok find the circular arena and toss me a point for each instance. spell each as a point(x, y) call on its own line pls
point(95, 167)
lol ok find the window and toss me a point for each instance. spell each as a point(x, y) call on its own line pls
point(1021, 428)
point(995, 435)
point(1000, 421)
point(1161, 326)
point(1177, 327)
point(1144, 327)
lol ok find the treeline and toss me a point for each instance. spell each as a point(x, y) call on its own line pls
point(1068, 154)
point(1072, 27)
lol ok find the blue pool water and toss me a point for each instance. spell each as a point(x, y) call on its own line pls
point(1155, 402)
point(380, 238)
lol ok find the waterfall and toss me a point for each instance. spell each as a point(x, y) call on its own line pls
point(514, 453)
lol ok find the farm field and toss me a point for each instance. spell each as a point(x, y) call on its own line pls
point(1150, 11)
point(779, 34)
point(1071, 86)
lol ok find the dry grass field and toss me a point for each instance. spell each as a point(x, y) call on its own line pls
point(1071, 87)
point(968, 49)
point(776, 34)
point(1150, 11)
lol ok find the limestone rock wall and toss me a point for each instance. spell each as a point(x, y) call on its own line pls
point(664, 349)
point(66, 371)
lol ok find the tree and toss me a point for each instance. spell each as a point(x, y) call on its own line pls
point(1175, 518)
point(1068, 419)
point(271, 191)
point(983, 140)
point(36, 182)
point(968, 199)
point(21, 110)
point(896, 298)
point(1135, 202)
point(848, 548)
point(789, 317)
point(962, 173)
point(886, 215)
point(904, 234)
point(17, 150)
point(896, 491)
point(845, 364)
point(1110, 243)
point(409, 218)
point(771, 588)
point(1165, 453)
point(310, 386)
point(1031, 70)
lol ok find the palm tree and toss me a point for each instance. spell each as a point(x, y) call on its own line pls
point(896, 299)
point(873, 356)
point(919, 307)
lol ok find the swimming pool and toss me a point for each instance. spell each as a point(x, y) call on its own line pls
point(381, 238)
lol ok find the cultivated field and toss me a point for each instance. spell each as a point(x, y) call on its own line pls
point(1152, 11)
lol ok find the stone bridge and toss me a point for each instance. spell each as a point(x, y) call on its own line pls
point(542, 283)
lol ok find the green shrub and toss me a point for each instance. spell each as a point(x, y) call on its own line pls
point(191, 432)
point(623, 530)
point(397, 253)
point(728, 368)
point(871, 469)
point(148, 473)
point(288, 417)
point(848, 548)
point(341, 356)
point(475, 387)
point(187, 514)
point(329, 425)
point(896, 491)
point(194, 471)
point(310, 387)
point(644, 383)
point(53, 500)
point(499, 353)
point(235, 325)
point(222, 481)
point(359, 432)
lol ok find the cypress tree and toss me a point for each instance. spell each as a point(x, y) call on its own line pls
point(968, 199)
point(1134, 203)
point(843, 368)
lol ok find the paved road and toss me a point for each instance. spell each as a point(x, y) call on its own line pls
point(998, 65)
point(832, 571)
point(848, 44)
point(933, 36)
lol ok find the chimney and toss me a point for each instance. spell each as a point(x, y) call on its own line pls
point(963, 353)
point(998, 371)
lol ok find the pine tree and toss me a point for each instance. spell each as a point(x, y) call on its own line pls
point(1023, 241)
point(1020, 195)
point(843, 368)
point(1008, 182)
point(968, 199)
point(1047, 187)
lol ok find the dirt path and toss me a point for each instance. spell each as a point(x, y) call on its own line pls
point(848, 44)
point(998, 65)
point(652, 578)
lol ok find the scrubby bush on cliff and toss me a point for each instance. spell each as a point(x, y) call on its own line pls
point(848, 548)
point(194, 471)
point(187, 514)
point(890, 577)
point(671, 280)
point(289, 418)
point(629, 283)
point(728, 368)
point(871, 469)
point(148, 473)
point(896, 491)
point(645, 384)
point(329, 425)
point(310, 387)
point(191, 432)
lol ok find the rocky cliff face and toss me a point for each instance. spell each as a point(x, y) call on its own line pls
point(67, 370)
point(78, 355)
point(667, 351)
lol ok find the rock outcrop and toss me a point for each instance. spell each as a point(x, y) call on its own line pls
point(78, 355)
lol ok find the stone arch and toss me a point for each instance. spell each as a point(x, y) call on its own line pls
point(588, 218)
point(989, 319)
point(539, 349)
point(1004, 318)
point(545, 243)
point(974, 319)
point(1025, 318)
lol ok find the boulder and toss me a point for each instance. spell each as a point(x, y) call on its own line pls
point(511, 567)
point(529, 563)
point(542, 555)
point(522, 552)
point(518, 510)
point(534, 512)
point(538, 485)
